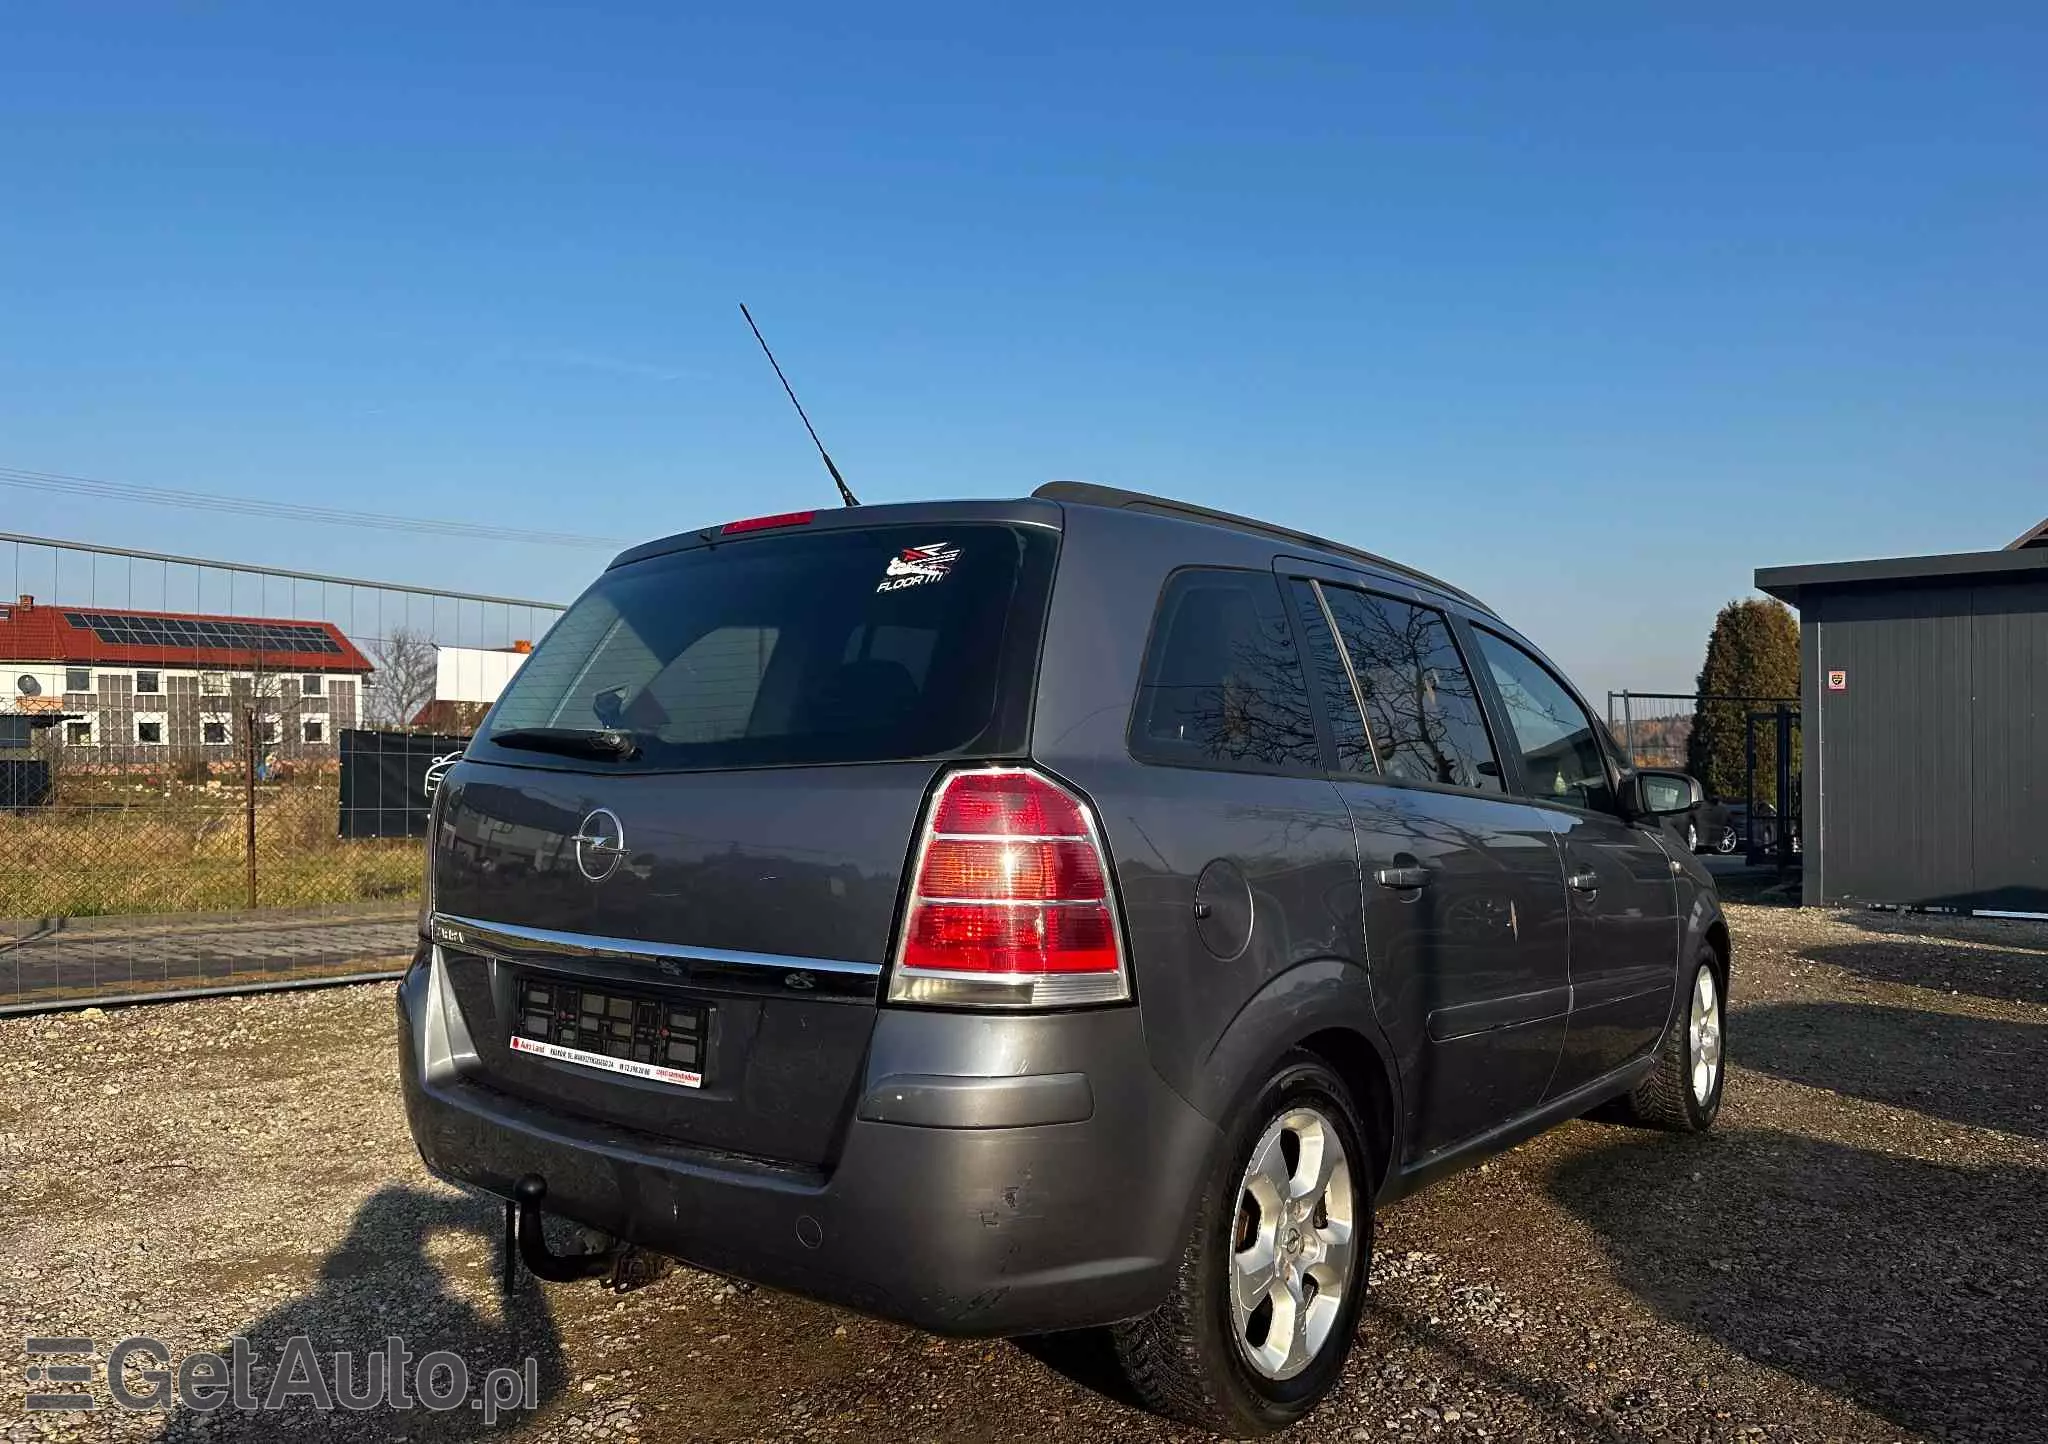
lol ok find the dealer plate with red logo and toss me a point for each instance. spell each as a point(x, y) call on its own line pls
point(624, 1033)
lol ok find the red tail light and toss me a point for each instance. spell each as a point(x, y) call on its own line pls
point(1010, 905)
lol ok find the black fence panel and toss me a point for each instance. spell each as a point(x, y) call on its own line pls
point(24, 782)
point(387, 781)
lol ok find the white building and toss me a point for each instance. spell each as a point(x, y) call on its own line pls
point(137, 681)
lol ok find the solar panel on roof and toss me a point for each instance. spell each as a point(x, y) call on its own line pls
point(205, 635)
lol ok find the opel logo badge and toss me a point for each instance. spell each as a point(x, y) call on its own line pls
point(600, 844)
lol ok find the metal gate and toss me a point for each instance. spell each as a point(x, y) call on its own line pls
point(1761, 806)
point(1773, 826)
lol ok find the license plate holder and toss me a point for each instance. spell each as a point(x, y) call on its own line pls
point(611, 1029)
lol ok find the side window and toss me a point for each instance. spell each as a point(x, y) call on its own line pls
point(1222, 685)
point(1419, 700)
point(1333, 682)
point(1560, 745)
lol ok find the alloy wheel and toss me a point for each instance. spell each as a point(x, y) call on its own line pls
point(1704, 1036)
point(1292, 1243)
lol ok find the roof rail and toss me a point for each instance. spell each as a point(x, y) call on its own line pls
point(1089, 494)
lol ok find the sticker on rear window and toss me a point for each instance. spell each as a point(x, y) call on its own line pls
point(916, 566)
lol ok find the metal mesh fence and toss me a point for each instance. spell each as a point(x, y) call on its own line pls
point(170, 764)
point(1749, 760)
point(1652, 728)
point(1655, 729)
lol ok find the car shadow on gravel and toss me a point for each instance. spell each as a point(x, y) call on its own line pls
point(1981, 1072)
point(1909, 1288)
point(2013, 975)
point(1086, 1357)
point(380, 1282)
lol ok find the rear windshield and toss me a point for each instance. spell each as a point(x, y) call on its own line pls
point(870, 645)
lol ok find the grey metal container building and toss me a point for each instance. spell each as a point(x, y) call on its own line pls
point(1925, 727)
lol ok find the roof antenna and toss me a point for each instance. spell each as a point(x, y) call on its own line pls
point(845, 492)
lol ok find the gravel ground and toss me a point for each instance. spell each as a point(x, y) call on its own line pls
point(1858, 1253)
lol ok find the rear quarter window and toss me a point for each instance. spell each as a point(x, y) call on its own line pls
point(1222, 684)
point(856, 645)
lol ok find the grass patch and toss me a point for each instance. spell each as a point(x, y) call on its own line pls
point(184, 849)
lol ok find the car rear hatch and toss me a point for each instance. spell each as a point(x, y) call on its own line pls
point(665, 875)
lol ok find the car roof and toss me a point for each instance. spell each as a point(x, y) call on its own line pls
point(1044, 506)
point(1086, 493)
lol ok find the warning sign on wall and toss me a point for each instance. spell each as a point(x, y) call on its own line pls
point(1838, 681)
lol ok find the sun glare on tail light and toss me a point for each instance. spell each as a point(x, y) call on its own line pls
point(1010, 905)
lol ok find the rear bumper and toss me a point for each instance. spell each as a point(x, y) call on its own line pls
point(952, 1205)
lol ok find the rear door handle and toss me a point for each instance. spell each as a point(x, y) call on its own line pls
point(1584, 880)
point(1402, 877)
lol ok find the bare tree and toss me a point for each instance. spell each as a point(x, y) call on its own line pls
point(1419, 701)
point(262, 695)
point(460, 718)
point(404, 680)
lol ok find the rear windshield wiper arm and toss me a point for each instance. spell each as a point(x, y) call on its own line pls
point(607, 744)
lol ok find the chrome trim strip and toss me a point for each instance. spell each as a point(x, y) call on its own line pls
point(1372, 748)
point(956, 987)
point(1019, 982)
point(476, 934)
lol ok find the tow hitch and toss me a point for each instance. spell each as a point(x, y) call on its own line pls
point(626, 1266)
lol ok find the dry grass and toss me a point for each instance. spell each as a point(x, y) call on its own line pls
point(184, 849)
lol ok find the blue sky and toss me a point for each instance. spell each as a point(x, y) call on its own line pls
point(1592, 313)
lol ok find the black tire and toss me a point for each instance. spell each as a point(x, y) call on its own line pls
point(1692, 836)
point(1667, 1098)
point(1183, 1360)
point(1725, 844)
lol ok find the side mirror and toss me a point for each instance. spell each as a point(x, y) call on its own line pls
point(1663, 794)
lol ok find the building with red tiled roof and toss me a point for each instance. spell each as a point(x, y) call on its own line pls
point(137, 680)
